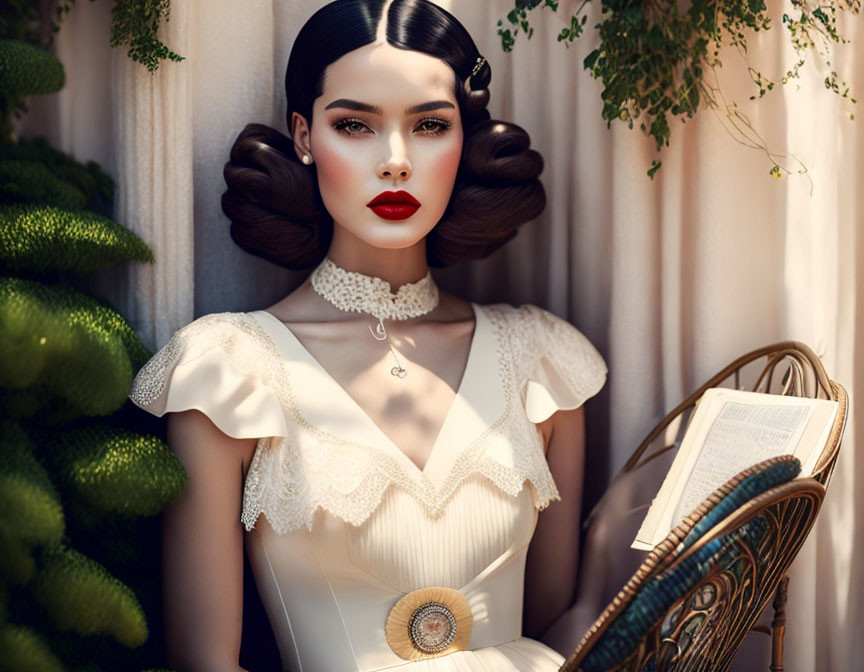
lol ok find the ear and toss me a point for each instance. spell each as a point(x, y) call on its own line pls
point(301, 135)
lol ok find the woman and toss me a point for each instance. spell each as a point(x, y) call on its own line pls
point(400, 441)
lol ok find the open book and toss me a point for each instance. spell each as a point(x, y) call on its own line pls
point(731, 430)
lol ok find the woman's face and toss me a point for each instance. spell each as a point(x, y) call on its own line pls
point(387, 121)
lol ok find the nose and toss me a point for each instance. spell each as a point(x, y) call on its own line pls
point(397, 162)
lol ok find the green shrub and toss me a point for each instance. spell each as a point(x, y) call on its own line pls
point(78, 594)
point(68, 344)
point(31, 181)
point(40, 238)
point(110, 470)
point(26, 70)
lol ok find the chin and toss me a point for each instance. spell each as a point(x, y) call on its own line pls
point(392, 242)
point(394, 235)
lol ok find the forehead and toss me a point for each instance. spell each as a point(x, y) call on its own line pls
point(380, 72)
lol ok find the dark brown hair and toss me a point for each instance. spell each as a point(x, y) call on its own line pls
point(273, 200)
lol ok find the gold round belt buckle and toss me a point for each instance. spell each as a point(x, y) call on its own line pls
point(429, 622)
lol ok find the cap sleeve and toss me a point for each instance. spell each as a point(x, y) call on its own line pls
point(218, 366)
point(562, 367)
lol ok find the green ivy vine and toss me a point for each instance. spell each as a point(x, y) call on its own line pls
point(28, 27)
point(134, 24)
point(658, 60)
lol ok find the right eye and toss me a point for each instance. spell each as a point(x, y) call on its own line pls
point(350, 126)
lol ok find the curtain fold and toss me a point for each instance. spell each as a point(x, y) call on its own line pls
point(671, 278)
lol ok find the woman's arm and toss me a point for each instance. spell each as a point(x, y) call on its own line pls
point(553, 556)
point(202, 552)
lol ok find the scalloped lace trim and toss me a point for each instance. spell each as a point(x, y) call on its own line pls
point(229, 331)
point(545, 335)
point(288, 484)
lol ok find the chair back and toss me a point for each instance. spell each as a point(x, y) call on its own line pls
point(696, 596)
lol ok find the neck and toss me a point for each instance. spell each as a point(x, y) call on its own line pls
point(396, 266)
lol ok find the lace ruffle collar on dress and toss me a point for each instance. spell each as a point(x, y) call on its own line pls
point(319, 449)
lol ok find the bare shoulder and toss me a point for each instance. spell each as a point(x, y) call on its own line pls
point(452, 308)
point(301, 305)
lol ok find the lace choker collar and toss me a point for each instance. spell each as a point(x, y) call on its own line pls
point(351, 291)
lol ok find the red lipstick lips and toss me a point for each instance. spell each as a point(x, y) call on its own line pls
point(394, 205)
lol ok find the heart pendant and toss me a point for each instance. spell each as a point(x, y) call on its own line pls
point(399, 371)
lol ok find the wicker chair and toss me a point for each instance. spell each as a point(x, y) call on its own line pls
point(699, 593)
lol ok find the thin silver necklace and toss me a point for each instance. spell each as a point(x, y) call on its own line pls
point(355, 292)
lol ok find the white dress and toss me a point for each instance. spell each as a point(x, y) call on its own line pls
point(350, 524)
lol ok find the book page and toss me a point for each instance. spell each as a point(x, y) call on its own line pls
point(729, 431)
point(740, 436)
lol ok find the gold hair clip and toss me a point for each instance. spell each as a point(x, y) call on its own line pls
point(480, 61)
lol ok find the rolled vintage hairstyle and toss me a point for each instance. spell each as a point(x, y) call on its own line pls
point(273, 200)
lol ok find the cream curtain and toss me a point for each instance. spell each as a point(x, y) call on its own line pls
point(670, 278)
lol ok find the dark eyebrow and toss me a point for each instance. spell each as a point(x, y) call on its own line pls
point(374, 109)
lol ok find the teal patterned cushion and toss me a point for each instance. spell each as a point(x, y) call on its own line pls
point(654, 599)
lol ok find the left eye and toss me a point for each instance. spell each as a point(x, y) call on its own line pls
point(429, 126)
point(438, 125)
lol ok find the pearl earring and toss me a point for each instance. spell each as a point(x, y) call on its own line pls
point(307, 159)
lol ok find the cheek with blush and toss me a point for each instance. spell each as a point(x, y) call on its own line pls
point(335, 171)
point(337, 168)
point(442, 171)
point(445, 170)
